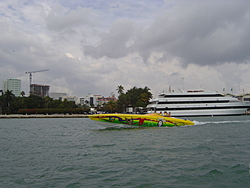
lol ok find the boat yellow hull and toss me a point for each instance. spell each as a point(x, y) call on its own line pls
point(138, 120)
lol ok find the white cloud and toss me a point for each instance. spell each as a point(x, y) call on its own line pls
point(94, 46)
point(61, 18)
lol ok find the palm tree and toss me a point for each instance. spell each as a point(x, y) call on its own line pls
point(120, 89)
point(22, 93)
point(9, 97)
point(144, 97)
point(1, 103)
point(110, 106)
point(47, 100)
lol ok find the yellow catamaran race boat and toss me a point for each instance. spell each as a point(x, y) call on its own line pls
point(138, 120)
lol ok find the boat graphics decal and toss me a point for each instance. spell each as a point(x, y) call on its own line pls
point(140, 120)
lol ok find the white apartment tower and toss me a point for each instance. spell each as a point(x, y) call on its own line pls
point(13, 85)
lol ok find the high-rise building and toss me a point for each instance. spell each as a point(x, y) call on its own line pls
point(13, 85)
point(40, 90)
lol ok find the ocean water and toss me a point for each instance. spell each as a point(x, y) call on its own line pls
point(215, 152)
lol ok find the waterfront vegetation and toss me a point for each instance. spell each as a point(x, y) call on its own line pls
point(133, 98)
point(33, 104)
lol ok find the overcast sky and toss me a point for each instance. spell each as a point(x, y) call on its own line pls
point(92, 46)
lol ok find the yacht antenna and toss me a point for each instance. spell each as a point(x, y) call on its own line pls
point(182, 82)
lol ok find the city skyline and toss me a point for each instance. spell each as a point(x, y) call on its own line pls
point(224, 90)
point(95, 46)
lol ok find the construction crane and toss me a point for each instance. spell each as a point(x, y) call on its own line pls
point(30, 72)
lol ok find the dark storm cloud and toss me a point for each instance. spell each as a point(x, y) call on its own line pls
point(199, 32)
point(114, 43)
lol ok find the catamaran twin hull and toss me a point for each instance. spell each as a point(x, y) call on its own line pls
point(134, 120)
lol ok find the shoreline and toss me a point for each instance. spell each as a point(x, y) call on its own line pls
point(43, 116)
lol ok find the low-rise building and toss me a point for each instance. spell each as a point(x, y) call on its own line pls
point(104, 100)
point(96, 100)
point(57, 96)
point(69, 98)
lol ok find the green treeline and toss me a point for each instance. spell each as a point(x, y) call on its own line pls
point(10, 104)
point(53, 111)
point(135, 97)
point(33, 104)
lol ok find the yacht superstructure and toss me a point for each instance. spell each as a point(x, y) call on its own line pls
point(197, 102)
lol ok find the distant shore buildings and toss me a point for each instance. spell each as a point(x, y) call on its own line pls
point(89, 100)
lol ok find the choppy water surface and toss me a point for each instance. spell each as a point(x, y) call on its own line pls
point(80, 153)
